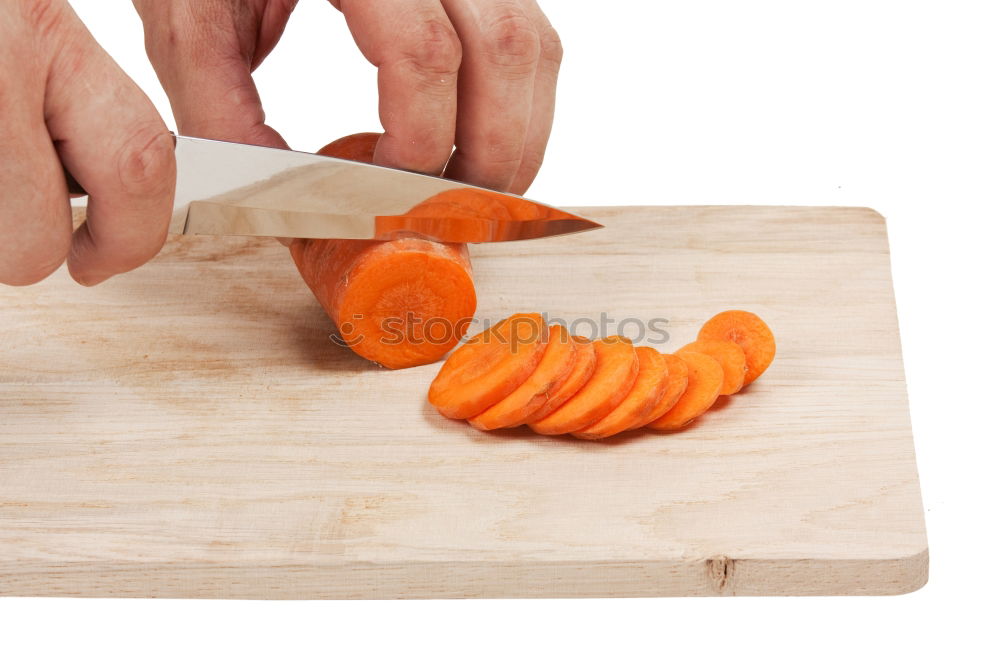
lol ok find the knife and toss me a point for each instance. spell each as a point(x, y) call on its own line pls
point(233, 189)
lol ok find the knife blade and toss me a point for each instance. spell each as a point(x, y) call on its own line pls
point(233, 189)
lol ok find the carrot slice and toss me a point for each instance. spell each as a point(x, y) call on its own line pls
point(398, 303)
point(730, 356)
point(677, 381)
point(614, 375)
point(647, 391)
point(748, 331)
point(583, 370)
point(557, 363)
point(489, 367)
point(705, 379)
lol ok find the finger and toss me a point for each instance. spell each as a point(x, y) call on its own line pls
point(206, 70)
point(501, 48)
point(543, 101)
point(272, 25)
point(111, 139)
point(418, 55)
point(35, 222)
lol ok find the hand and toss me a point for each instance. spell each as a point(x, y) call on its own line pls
point(63, 101)
point(476, 75)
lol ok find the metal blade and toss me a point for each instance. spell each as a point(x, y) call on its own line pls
point(235, 189)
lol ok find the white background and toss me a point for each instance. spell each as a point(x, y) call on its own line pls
point(892, 105)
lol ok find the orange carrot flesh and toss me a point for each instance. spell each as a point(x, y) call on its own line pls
point(677, 380)
point(555, 366)
point(730, 356)
point(615, 373)
point(647, 391)
point(705, 379)
point(748, 331)
point(356, 147)
point(583, 370)
point(399, 303)
point(463, 202)
point(489, 367)
point(490, 215)
point(437, 215)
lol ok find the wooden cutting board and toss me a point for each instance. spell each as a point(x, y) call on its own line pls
point(190, 430)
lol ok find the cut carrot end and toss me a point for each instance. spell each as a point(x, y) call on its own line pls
point(398, 303)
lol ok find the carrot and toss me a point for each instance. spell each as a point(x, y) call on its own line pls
point(583, 369)
point(556, 365)
point(730, 356)
point(748, 331)
point(614, 375)
point(437, 214)
point(356, 147)
point(496, 215)
point(483, 203)
point(489, 367)
point(677, 380)
point(647, 391)
point(399, 303)
point(465, 202)
point(705, 379)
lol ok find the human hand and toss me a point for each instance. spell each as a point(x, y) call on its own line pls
point(478, 76)
point(64, 101)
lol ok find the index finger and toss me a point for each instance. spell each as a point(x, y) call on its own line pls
point(418, 55)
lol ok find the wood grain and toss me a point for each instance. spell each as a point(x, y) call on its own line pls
point(189, 430)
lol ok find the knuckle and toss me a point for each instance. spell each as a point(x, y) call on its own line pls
point(146, 162)
point(163, 34)
point(176, 33)
point(243, 95)
point(511, 40)
point(433, 47)
point(551, 45)
point(74, 60)
point(44, 17)
point(503, 149)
